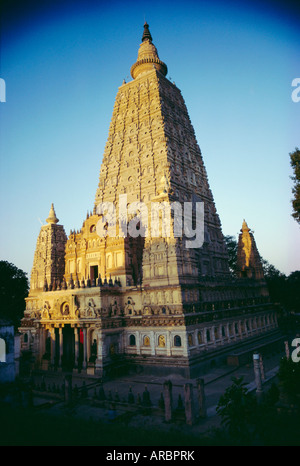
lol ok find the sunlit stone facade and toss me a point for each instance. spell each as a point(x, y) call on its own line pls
point(98, 303)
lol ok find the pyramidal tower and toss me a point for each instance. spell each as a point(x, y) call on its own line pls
point(49, 258)
point(146, 283)
point(152, 157)
point(248, 258)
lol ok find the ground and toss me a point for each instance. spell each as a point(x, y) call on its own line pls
point(87, 420)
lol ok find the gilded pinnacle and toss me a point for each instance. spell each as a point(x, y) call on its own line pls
point(52, 216)
point(147, 57)
point(245, 226)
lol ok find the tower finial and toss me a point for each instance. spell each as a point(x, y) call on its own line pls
point(52, 216)
point(146, 33)
point(245, 226)
point(147, 57)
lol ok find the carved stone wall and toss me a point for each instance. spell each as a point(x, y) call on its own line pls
point(248, 258)
point(49, 256)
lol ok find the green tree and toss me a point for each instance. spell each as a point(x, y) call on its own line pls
point(293, 292)
point(236, 407)
point(231, 244)
point(295, 164)
point(270, 271)
point(13, 290)
point(289, 378)
point(276, 282)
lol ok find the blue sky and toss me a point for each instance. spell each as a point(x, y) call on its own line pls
point(234, 63)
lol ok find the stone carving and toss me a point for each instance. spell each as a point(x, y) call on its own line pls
point(161, 341)
point(146, 341)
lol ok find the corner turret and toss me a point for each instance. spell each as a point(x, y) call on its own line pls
point(248, 259)
point(49, 258)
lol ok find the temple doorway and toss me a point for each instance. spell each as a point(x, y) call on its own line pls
point(94, 272)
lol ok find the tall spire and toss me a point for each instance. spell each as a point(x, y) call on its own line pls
point(147, 57)
point(146, 34)
point(52, 216)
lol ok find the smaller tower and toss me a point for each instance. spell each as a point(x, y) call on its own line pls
point(49, 258)
point(248, 259)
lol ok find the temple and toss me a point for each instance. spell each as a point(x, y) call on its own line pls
point(127, 291)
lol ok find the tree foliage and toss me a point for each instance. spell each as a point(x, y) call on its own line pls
point(13, 290)
point(231, 244)
point(246, 420)
point(236, 407)
point(289, 377)
point(295, 164)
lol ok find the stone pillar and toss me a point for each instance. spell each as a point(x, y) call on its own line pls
point(168, 344)
point(201, 397)
point(88, 344)
point(168, 400)
point(42, 343)
point(222, 334)
point(213, 336)
point(52, 332)
point(189, 404)
point(84, 363)
point(185, 345)
point(100, 353)
point(60, 345)
point(100, 346)
point(35, 342)
point(287, 349)
point(259, 324)
point(102, 269)
point(138, 342)
point(76, 337)
point(239, 329)
point(204, 336)
point(235, 330)
point(257, 374)
point(262, 367)
point(250, 326)
point(227, 333)
point(152, 343)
